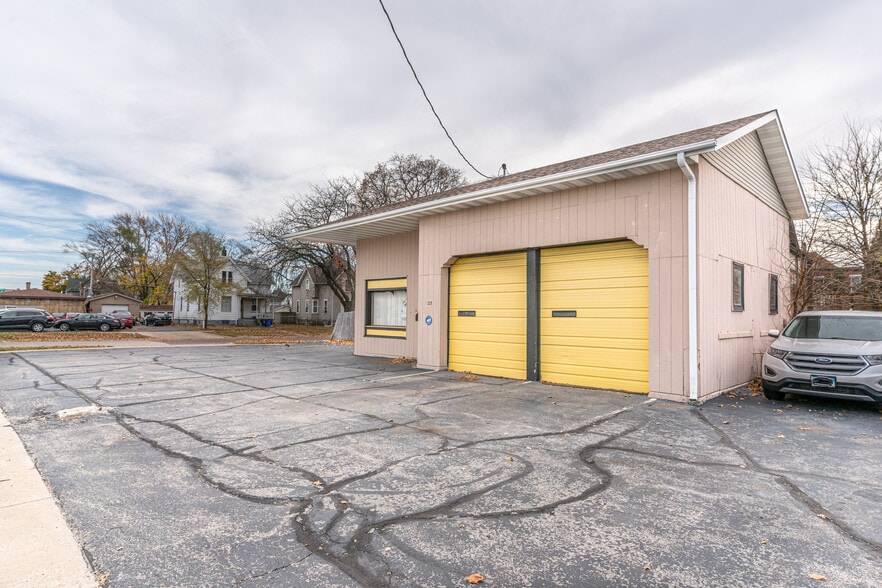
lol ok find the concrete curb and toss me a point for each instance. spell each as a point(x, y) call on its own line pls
point(37, 547)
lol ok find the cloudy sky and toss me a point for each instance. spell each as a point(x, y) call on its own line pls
point(220, 109)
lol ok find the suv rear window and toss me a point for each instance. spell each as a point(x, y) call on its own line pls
point(850, 328)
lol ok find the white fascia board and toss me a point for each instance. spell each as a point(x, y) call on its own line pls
point(532, 183)
point(748, 128)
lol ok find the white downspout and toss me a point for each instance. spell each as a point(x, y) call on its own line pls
point(692, 271)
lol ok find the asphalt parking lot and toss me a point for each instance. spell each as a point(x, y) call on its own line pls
point(260, 466)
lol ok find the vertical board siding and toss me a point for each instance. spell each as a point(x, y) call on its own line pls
point(745, 162)
point(396, 256)
point(649, 210)
point(734, 226)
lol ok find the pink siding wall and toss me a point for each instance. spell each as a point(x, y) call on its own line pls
point(733, 225)
point(650, 210)
point(395, 256)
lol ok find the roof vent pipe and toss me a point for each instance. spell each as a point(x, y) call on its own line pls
point(692, 271)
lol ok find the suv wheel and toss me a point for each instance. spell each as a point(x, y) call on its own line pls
point(773, 395)
point(38, 327)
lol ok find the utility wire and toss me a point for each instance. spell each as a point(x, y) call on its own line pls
point(425, 95)
point(24, 220)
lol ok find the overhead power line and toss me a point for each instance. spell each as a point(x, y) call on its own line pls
point(24, 220)
point(425, 95)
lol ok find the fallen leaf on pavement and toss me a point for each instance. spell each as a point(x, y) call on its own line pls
point(818, 577)
point(475, 579)
point(317, 483)
point(509, 458)
point(823, 516)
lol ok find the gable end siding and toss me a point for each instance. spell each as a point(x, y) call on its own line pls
point(744, 162)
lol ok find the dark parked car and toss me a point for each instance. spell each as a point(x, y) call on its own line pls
point(125, 317)
point(26, 318)
point(158, 319)
point(101, 322)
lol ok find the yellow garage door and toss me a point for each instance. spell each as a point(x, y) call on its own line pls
point(594, 317)
point(488, 315)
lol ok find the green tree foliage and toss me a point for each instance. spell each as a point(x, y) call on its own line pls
point(134, 253)
point(199, 267)
point(403, 178)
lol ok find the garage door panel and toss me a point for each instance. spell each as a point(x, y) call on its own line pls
point(606, 345)
point(493, 341)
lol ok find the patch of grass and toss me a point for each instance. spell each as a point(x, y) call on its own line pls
point(30, 337)
point(275, 333)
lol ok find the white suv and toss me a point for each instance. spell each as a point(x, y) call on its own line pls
point(834, 354)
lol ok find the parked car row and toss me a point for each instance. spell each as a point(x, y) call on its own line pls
point(38, 320)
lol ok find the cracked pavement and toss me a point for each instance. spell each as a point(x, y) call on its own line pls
point(261, 466)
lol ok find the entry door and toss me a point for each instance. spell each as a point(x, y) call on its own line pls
point(488, 315)
point(594, 316)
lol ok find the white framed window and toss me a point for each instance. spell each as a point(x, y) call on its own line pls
point(226, 277)
point(297, 306)
point(307, 284)
point(315, 306)
point(254, 305)
point(226, 304)
point(325, 306)
point(854, 283)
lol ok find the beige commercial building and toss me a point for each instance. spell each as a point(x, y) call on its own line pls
point(655, 268)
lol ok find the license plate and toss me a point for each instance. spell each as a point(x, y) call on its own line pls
point(823, 381)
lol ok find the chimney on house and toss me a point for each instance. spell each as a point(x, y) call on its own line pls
point(27, 285)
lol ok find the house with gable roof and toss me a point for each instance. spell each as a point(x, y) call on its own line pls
point(313, 301)
point(656, 268)
point(251, 300)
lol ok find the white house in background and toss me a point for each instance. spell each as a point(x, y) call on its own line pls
point(313, 301)
point(250, 300)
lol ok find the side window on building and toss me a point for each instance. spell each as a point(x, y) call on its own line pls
point(254, 304)
point(226, 304)
point(737, 286)
point(386, 308)
point(325, 306)
point(854, 283)
point(773, 294)
point(315, 306)
point(297, 306)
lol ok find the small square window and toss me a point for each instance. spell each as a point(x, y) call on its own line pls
point(773, 294)
point(737, 286)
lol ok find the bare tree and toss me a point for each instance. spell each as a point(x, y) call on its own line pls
point(846, 192)
point(199, 267)
point(400, 179)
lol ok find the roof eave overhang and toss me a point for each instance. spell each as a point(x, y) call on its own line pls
point(771, 134)
point(348, 232)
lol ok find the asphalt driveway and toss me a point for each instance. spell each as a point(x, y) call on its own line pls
point(264, 466)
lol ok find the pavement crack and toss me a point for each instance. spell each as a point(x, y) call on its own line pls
point(792, 488)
